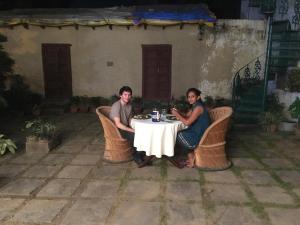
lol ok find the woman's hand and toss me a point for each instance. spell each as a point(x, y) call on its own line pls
point(174, 112)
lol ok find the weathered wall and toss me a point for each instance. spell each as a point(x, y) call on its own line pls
point(208, 64)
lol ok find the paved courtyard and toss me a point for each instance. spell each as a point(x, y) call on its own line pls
point(72, 185)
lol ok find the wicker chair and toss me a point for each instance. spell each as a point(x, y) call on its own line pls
point(117, 149)
point(210, 153)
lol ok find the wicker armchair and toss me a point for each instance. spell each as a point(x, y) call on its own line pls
point(210, 153)
point(117, 149)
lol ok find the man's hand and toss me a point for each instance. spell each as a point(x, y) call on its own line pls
point(121, 126)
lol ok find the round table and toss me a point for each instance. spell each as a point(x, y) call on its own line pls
point(156, 138)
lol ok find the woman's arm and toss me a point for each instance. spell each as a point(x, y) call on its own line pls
point(191, 116)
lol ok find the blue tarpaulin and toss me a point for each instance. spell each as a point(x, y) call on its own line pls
point(184, 13)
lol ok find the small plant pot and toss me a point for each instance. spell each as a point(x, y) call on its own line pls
point(83, 109)
point(287, 126)
point(73, 109)
point(92, 109)
point(41, 145)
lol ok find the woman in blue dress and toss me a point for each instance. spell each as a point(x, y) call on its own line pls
point(197, 119)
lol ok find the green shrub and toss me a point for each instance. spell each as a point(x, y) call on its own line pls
point(294, 109)
point(6, 144)
point(40, 129)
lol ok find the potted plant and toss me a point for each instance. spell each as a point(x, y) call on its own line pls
point(137, 103)
point(94, 103)
point(6, 144)
point(270, 121)
point(42, 136)
point(83, 105)
point(74, 102)
point(294, 110)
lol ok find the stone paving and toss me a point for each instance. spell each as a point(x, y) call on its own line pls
point(72, 185)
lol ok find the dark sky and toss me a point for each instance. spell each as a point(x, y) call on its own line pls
point(221, 8)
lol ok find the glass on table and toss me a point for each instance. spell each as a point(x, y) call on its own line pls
point(163, 114)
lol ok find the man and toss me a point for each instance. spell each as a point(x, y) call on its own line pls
point(121, 114)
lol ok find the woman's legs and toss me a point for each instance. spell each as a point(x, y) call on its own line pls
point(191, 159)
point(190, 162)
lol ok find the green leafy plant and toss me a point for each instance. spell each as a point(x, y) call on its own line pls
point(40, 129)
point(294, 109)
point(270, 120)
point(74, 100)
point(209, 101)
point(6, 144)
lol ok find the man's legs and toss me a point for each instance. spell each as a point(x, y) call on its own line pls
point(137, 156)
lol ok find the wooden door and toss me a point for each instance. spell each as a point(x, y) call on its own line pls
point(157, 62)
point(57, 70)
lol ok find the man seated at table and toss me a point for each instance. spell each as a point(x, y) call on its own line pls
point(121, 114)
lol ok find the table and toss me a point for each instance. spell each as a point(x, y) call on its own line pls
point(156, 138)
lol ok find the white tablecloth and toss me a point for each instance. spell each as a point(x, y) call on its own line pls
point(156, 138)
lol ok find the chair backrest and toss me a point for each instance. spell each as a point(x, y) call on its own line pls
point(216, 132)
point(110, 129)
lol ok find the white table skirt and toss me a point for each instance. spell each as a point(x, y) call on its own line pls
point(156, 138)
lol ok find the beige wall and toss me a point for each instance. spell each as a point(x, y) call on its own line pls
point(208, 64)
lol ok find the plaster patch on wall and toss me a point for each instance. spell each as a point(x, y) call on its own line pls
point(216, 89)
point(25, 43)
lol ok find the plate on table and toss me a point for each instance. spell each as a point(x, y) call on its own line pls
point(171, 117)
point(142, 117)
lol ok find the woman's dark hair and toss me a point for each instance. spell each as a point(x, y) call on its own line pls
point(194, 90)
point(125, 88)
point(197, 92)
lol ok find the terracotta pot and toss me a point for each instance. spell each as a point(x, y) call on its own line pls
point(83, 109)
point(73, 109)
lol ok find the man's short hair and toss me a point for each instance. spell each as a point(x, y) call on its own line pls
point(125, 88)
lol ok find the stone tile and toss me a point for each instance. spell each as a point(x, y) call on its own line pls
point(78, 140)
point(88, 212)
point(98, 140)
point(5, 180)
point(57, 159)
point(226, 176)
point(41, 171)
point(109, 172)
point(84, 159)
point(180, 213)
point(277, 163)
point(74, 172)
point(290, 176)
point(27, 158)
point(141, 189)
point(8, 205)
point(257, 177)
point(237, 153)
point(39, 211)
point(234, 215)
point(12, 170)
point(297, 191)
point(21, 186)
point(101, 189)
point(71, 149)
point(136, 213)
point(271, 195)
point(226, 193)
point(59, 188)
point(281, 216)
point(247, 163)
point(97, 149)
point(182, 174)
point(265, 152)
point(183, 190)
point(148, 172)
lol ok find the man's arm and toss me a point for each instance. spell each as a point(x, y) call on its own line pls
point(121, 126)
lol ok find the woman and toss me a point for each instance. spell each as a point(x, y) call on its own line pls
point(197, 119)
